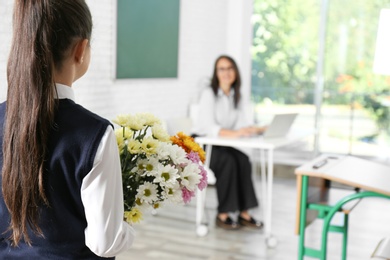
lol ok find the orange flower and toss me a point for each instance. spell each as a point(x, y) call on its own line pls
point(346, 88)
point(188, 144)
point(343, 77)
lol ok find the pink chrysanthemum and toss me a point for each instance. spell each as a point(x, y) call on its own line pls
point(203, 181)
point(193, 157)
point(187, 195)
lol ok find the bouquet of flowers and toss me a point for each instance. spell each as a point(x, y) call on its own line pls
point(156, 168)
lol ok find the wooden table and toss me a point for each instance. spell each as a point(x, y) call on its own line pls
point(371, 177)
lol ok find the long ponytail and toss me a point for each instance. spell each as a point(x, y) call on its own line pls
point(43, 34)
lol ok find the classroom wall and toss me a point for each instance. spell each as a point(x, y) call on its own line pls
point(207, 29)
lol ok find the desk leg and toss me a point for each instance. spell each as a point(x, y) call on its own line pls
point(270, 240)
point(263, 184)
point(269, 195)
point(201, 229)
point(302, 215)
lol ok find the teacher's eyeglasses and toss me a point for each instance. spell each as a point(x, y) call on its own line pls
point(222, 69)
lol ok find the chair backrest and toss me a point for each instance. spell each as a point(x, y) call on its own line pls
point(179, 124)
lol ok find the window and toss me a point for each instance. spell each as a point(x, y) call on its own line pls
point(335, 89)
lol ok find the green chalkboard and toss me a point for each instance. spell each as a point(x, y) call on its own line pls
point(147, 38)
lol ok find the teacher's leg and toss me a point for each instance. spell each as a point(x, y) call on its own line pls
point(246, 192)
point(224, 166)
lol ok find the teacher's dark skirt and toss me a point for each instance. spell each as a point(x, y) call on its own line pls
point(232, 170)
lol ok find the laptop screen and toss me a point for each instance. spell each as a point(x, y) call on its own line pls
point(280, 125)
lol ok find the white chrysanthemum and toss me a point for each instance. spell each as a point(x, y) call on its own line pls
point(172, 193)
point(163, 150)
point(145, 207)
point(177, 154)
point(158, 204)
point(151, 166)
point(190, 176)
point(165, 174)
point(147, 192)
point(134, 146)
point(160, 134)
point(141, 204)
point(149, 145)
point(140, 166)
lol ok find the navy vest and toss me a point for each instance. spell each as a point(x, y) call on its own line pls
point(73, 143)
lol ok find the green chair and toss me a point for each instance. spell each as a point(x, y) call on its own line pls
point(326, 212)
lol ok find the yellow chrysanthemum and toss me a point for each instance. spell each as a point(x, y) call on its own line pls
point(133, 216)
point(119, 139)
point(123, 133)
point(149, 145)
point(133, 146)
point(148, 119)
point(135, 123)
point(122, 119)
point(160, 134)
point(127, 133)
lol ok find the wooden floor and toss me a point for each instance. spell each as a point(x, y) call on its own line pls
point(171, 233)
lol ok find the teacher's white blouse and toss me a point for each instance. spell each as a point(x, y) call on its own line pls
point(216, 112)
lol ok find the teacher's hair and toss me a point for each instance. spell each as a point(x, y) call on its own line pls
point(44, 33)
point(236, 84)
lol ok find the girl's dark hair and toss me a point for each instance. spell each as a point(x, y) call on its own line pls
point(44, 34)
point(236, 84)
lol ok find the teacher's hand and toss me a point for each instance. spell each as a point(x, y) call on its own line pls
point(253, 130)
point(242, 132)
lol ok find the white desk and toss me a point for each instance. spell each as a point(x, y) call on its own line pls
point(266, 147)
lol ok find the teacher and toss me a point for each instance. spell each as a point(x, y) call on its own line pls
point(223, 114)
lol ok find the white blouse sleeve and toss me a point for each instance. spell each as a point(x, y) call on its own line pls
point(102, 196)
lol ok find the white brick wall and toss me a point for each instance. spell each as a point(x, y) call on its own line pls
point(203, 36)
point(5, 41)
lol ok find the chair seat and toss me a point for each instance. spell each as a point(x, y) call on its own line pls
point(211, 180)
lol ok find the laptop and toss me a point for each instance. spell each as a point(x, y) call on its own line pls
point(280, 125)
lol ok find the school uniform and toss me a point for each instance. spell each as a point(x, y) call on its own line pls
point(84, 219)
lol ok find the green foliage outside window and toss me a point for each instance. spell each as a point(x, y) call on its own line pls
point(285, 53)
point(285, 50)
